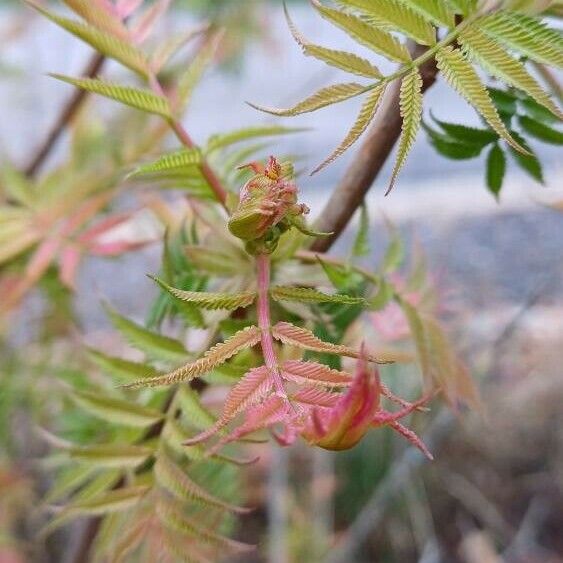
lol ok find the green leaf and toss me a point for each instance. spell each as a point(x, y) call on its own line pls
point(497, 62)
point(193, 412)
point(419, 336)
point(395, 253)
point(463, 78)
point(174, 479)
point(529, 163)
point(540, 130)
point(323, 97)
point(15, 186)
point(105, 43)
point(340, 277)
point(340, 59)
point(124, 370)
point(504, 101)
point(537, 111)
point(174, 161)
point(410, 101)
point(112, 501)
point(385, 293)
point(434, 10)
point(207, 300)
point(451, 148)
point(218, 262)
point(366, 115)
point(375, 39)
point(496, 168)
point(117, 411)
point(214, 357)
point(396, 16)
point(467, 135)
point(174, 518)
point(309, 295)
point(112, 456)
point(143, 100)
point(361, 242)
point(525, 34)
point(216, 142)
point(154, 345)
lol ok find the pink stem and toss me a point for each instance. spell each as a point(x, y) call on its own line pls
point(264, 322)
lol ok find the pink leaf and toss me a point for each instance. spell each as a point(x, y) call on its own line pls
point(148, 19)
point(313, 372)
point(68, 262)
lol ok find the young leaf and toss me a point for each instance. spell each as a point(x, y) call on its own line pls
point(436, 11)
point(395, 15)
point(215, 356)
point(112, 456)
point(252, 387)
point(143, 100)
point(155, 345)
point(225, 140)
point(309, 295)
point(366, 115)
point(504, 101)
point(124, 370)
point(463, 78)
point(112, 501)
point(314, 373)
point(537, 111)
point(96, 15)
point(340, 59)
point(302, 338)
point(175, 161)
point(213, 301)
point(324, 97)
point(528, 162)
point(410, 101)
point(496, 168)
point(193, 412)
point(525, 34)
point(117, 411)
point(174, 518)
point(419, 336)
point(500, 64)
point(361, 242)
point(467, 135)
point(175, 480)
point(105, 43)
point(394, 253)
point(375, 39)
point(540, 130)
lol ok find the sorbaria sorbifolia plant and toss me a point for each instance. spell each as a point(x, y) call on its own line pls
point(162, 465)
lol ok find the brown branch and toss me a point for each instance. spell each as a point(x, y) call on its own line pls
point(369, 160)
point(69, 110)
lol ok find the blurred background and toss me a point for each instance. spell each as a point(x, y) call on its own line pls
point(495, 491)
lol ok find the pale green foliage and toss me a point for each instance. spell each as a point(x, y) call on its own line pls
point(207, 300)
point(410, 103)
point(215, 356)
point(309, 295)
point(483, 40)
point(175, 161)
point(462, 76)
point(324, 97)
point(143, 100)
point(110, 45)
